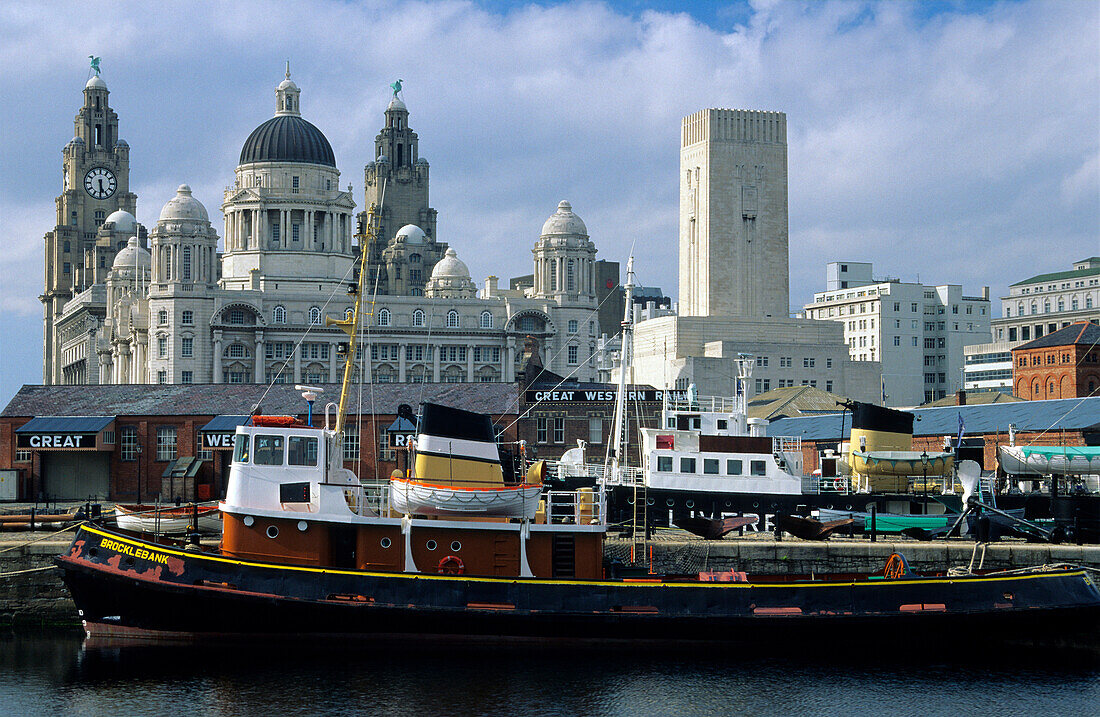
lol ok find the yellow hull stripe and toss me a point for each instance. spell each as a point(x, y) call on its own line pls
point(609, 583)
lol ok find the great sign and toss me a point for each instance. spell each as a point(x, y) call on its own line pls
point(598, 396)
point(57, 440)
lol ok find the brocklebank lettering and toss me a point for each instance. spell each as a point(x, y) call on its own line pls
point(599, 396)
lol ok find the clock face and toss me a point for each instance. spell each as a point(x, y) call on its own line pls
point(100, 182)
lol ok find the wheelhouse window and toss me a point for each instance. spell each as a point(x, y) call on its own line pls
point(733, 467)
point(268, 450)
point(710, 466)
point(240, 448)
point(664, 464)
point(301, 451)
point(687, 465)
point(758, 468)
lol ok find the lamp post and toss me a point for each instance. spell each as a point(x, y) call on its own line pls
point(924, 483)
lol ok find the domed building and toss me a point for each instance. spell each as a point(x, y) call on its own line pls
point(181, 312)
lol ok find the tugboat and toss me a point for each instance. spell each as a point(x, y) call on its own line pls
point(307, 549)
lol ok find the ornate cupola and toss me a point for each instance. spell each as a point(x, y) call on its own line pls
point(286, 96)
point(564, 258)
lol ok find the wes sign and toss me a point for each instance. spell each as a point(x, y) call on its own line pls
point(217, 441)
point(57, 441)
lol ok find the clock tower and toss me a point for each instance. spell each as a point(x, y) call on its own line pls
point(95, 167)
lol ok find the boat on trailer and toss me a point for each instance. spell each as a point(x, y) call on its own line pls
point(307, 548)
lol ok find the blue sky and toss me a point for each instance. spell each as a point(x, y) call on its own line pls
point(954, 142)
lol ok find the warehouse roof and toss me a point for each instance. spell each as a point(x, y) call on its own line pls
point(1066, 413)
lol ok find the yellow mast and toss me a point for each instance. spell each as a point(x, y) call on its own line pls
point(350, 326)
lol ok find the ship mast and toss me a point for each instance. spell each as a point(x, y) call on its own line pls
point(350, 325)
point(614, 456)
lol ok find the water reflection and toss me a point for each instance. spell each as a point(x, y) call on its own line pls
point(58, 675)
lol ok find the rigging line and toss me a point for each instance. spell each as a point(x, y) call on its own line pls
point(309, 329)
point(427, 348)
point(536, 403)
point(595, 311)
point(373, 412)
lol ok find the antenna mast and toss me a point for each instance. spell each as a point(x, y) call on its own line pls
point(350, 325)
point(615, 448)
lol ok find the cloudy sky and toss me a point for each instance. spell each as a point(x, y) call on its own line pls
point(947, 141)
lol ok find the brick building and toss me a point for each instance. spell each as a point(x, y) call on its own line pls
point(139, 442)
point(1062, 364)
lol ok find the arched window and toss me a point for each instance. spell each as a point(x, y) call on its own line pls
point(452, 319)
point(1034, 307)
point(591, 328)
point(486, 320)
point(384, 317)
point(572, 326)
point(314, 315)
point(1073, 305)
point(1046, 306)
point(237, 351)
point(278, 315)
point(414, 258)
point(418, 317)
point(347, 313)
point(1061, 304)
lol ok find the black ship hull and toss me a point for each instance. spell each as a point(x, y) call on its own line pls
point(127, 586)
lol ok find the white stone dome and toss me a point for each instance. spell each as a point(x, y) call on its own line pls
point(123, 221)
point(288, 84)
point(450, 267)
point(184, 206)
point(564, 221)
point(76, 140)
point(95, 82)
point(122, 143)
point(411, 234)
point(397, 104)
point(131, 254)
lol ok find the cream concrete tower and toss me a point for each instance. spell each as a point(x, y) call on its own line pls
point(733, 214)
point(96, 183)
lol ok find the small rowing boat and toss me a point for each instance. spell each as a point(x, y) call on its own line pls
point(153, 519)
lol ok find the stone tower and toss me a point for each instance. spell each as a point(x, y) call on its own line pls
point(733, 214)
point(396, 182)
point(95, 183)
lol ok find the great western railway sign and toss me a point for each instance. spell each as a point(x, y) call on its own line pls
point(599, 395)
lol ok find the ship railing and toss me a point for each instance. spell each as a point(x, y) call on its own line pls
point(701, 404)
point(788, 444)
point(578, 507)
point(595, 472)
point(816, 485)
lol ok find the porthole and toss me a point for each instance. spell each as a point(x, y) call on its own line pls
point(302, 525)
point(455, 546)
point(690, 504)
point(249, 521)
point(431, 545)
point(755, 504)
point(630, 501)
point(273, 531)
point(385, 542)
point(670, 502)
point(728, 504)
point(848, 507)
point(650, 501)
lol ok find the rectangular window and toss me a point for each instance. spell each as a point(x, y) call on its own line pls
point(162, 347)
point(762, 361)
point(572, 355)
point(351, 443)
point(268, 450)
point(188, 317)
point(240, 448)
point(540, 430)
point(733, 466)
point(687, 465)
point(162, 377)
point(758, 468)
point(595, 429)
point(664, 464)
point(710, 466)
point(301, 451)
point(559, 429)
point(22, 456)
point(127, 442)
point(829, 386)
point(187, 347)
point(294, 185)
point(166, 443)
point(295, 232)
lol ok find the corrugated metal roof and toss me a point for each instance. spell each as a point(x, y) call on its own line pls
point(1067, 413)
point(792, 401)
point(238, 399)
point(66, 424)
point(224, 423)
